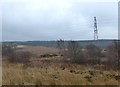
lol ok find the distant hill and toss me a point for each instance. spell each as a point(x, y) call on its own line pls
point(100, 43)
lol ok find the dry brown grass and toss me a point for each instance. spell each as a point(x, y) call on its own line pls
point(55, 75)
point(44, 72)
point(39, 49)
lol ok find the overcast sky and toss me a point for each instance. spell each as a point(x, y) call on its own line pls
point(55, 19)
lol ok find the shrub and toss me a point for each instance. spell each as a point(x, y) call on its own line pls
point(74, 52)
point(20, 57)
point(113, 54)
point(48, 55)
point(93, 54)
point(7, 50)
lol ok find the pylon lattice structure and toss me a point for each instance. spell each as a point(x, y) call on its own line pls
point(95, 29)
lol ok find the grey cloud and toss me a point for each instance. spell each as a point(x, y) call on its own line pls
point(22, 21)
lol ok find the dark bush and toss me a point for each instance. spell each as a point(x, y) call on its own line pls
point(93, 54)
point(20, 57)
point(113, 52)
point(48, 55)
point(7, 50)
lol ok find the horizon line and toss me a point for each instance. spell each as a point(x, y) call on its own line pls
point(54, 40)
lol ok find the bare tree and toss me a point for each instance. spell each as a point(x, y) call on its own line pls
point(74, 52)
point(61, 46)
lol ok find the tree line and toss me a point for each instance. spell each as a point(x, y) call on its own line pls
point(91, 54)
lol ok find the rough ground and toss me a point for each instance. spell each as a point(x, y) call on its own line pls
point(57, 74)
